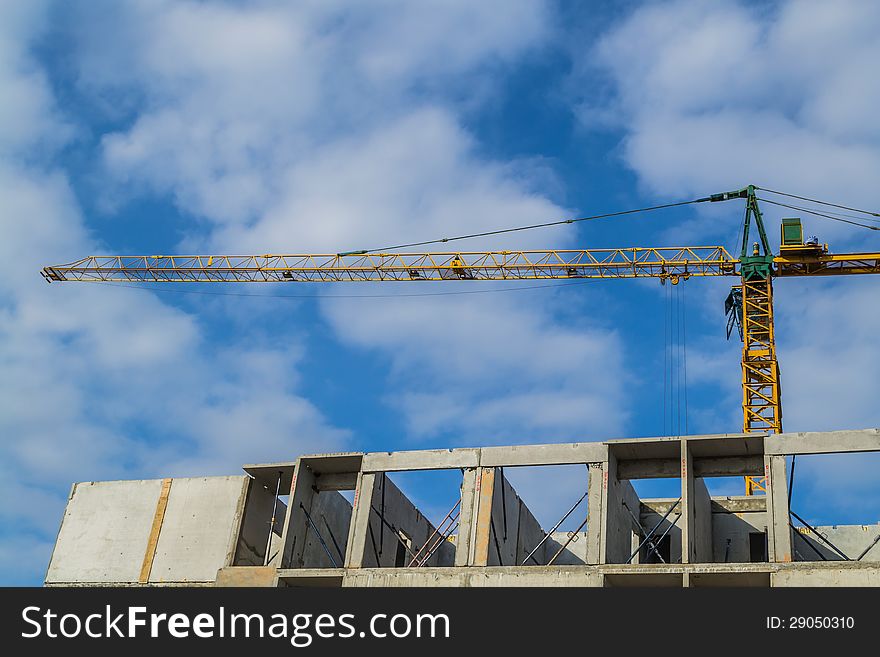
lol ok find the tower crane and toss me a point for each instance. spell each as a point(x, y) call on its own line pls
point(749, 306)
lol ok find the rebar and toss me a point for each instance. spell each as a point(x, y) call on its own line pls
point(318, 534)
point(555, 527)
point(651, 533)
point(442, 522)
point(816, 532)
point(571, 537)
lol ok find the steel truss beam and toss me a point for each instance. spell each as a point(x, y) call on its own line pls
point(636, 262)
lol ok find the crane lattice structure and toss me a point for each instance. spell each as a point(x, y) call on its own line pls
point(749, 305)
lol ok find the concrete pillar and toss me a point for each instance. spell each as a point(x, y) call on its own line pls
point(778, 527)
point(295, 524)
point(617, 522)
point(467, 519)
point(696, 533)
point(595, 500)
point(607, 465)
point(360, 521)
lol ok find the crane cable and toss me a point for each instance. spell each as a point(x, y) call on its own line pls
point(667, 392)
point(675, 377)
point(608, 215)
point(827, 214)
point(820, 214)
point(813, 200)
point(547, 224)
point(684, 361)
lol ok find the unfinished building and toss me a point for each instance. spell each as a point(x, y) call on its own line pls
point(340, 520)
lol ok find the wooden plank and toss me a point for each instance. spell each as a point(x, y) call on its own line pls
point(486, 484)
point(153, 541)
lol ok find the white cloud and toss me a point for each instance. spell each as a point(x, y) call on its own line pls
point(829, 353)
point(229, 96)
point(712, 96)
point(342, 131)
point(722, 94)
point(29, 117)
point(100, 382)
point(224, 107)
point(485, 369)
point(105, 383)
point(403, 180)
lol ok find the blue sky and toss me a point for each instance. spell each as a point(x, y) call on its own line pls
point(253, 127)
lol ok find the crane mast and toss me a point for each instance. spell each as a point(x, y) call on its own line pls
point(749, 306)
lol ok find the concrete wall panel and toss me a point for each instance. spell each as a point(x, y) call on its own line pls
point(104, 532)
point(651, 514)
point(574, 554)
point(200, 529)
point(106, 528)
point(251, 548)
point(852, 540)
point(331, 514)
point(730, 534)
point(380, 547)
point(702, 523)
point(514, 530)
point(617, 524)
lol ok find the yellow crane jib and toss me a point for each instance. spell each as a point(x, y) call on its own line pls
point(749, 306)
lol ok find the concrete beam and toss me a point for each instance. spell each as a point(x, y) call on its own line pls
point(753, 504)
point(728, 466)
point(267, 474)
point(716, 466)
point(824, 442)
point(634, 449)
point(648, 469)
point(726, 445)
point(524, 455)
point(337, 481)
point(334, 462)
point(658, 507)
point(428, 459)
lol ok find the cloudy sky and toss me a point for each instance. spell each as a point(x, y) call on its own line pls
point(325, 126)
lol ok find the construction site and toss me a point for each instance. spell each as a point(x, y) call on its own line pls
point(287, 524)
point(342, 519)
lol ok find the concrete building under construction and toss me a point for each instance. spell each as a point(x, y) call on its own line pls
point(290, 523)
